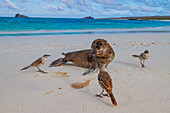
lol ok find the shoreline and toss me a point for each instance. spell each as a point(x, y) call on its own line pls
point(83, 32)
point(150, 18)
point(146, 18)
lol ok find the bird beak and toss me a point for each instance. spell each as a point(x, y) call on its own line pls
point(46, 55)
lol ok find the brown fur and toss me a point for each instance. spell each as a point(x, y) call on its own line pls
point(103, 52)
point(80, 58)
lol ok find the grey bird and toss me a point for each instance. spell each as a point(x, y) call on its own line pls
point(143, 57)
point(38, 63)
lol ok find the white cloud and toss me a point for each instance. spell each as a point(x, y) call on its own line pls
point(10, 4)
point(107, 2)
point(89, 7)
point(146, 9)
point(52, 8)
point(81, 5)
point(49, 0)
point(23, 0)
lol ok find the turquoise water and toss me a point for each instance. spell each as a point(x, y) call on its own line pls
point(10, 26)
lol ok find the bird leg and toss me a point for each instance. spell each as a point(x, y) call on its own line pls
point(142, 63)
point(39, 70)
point(100, 94)
point(106, 95)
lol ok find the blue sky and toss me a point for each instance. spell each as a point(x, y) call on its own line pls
point(82, 8)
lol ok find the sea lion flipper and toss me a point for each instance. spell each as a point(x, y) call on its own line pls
point(57, 62)
point(87, 72)
point(90, 70)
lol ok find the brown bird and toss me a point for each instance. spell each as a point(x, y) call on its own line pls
point(143, 57)
point(38, 63)
point(105, 82)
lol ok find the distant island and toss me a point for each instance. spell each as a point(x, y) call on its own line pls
point(88, 17)
point(143, 18)
point(19, 15)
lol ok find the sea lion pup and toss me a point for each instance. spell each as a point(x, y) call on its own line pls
point(105, 82)
point(38, 63)
point(143, 57)
point(100, 51)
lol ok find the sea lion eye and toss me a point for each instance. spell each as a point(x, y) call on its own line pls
point(99, 43)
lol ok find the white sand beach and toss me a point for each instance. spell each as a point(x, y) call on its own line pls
point(136, 89)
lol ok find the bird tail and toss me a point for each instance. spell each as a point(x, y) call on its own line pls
point(25, 67)
point(113, 99)
point(136, 56)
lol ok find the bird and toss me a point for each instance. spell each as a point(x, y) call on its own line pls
point(105, 82)
point(38, 63)
point(143, 57)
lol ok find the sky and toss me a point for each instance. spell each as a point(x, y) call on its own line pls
point(83, 8)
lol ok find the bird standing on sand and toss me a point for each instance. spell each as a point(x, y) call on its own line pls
point(38, 63)
point(105, 82)
point(143, 57)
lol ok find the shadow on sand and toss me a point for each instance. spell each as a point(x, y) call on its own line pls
point(128, 64)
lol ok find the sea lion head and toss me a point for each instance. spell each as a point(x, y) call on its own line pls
point(99, 46)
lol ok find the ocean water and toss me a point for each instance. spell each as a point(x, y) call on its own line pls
point(10, 26)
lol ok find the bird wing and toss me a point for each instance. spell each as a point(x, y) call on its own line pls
point(105, 81)
point(143, 55)
point(37, 62)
